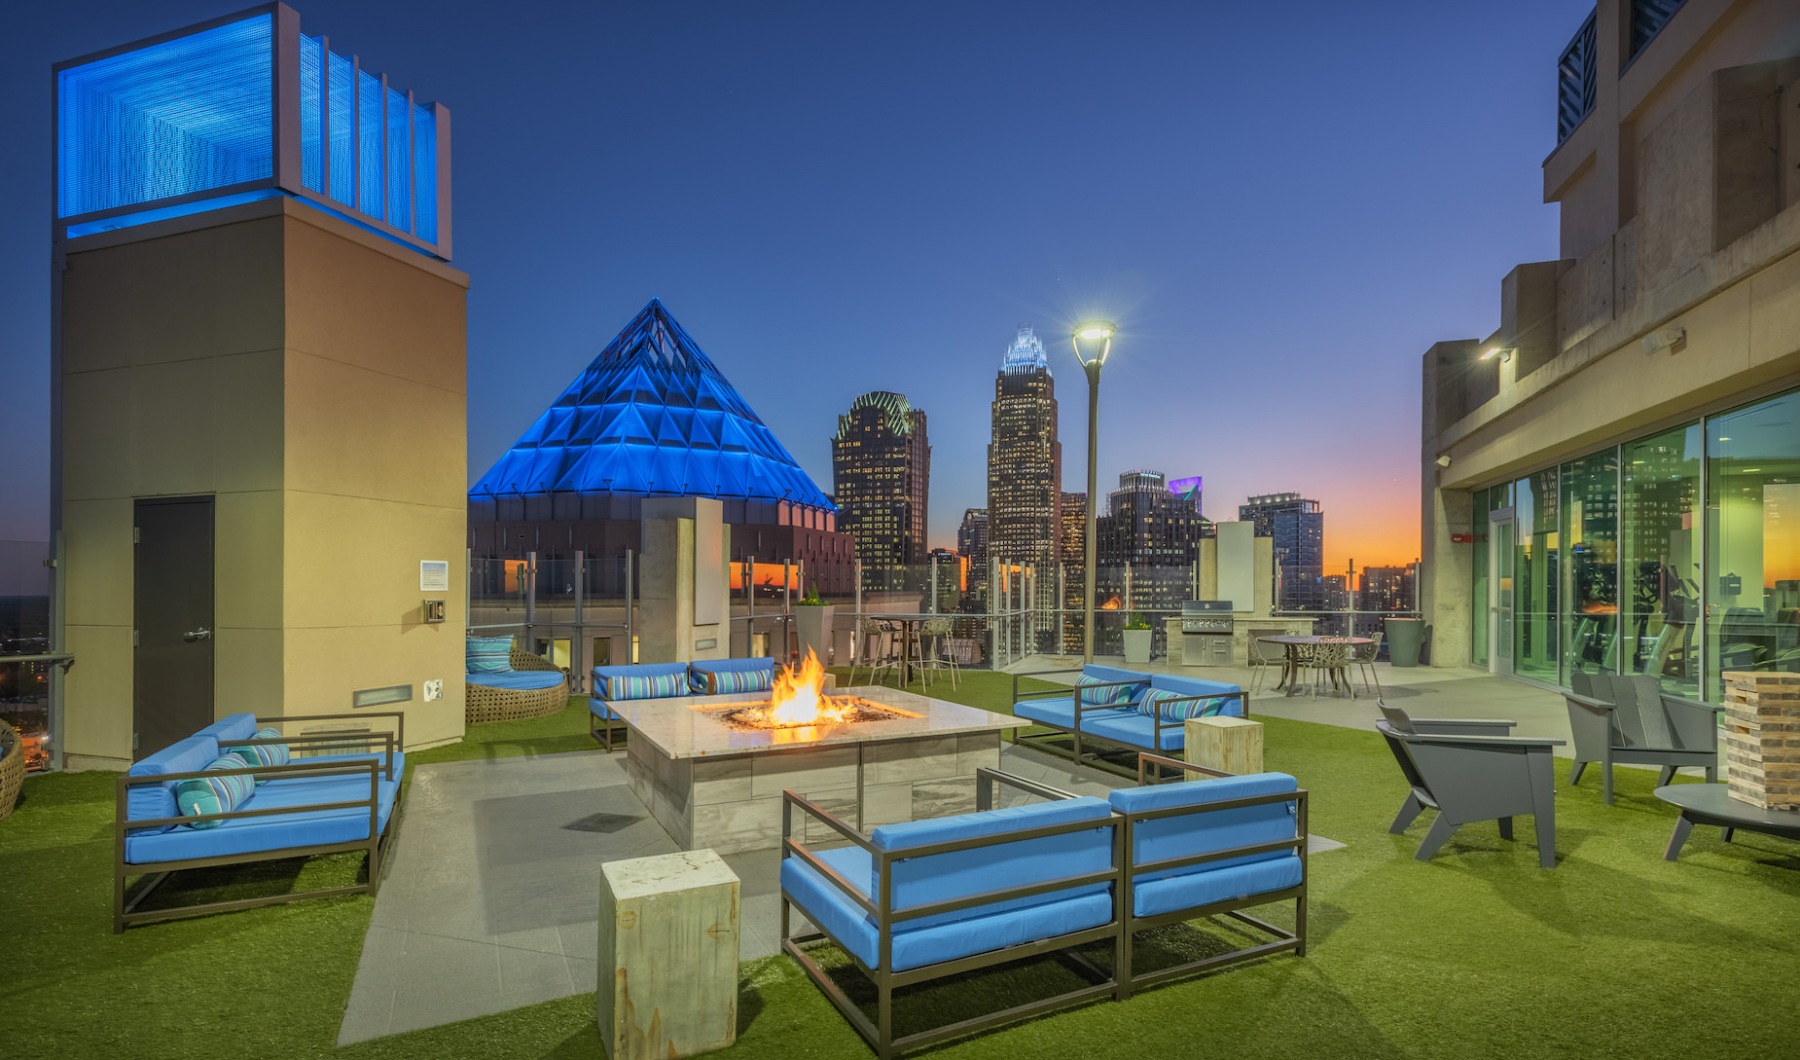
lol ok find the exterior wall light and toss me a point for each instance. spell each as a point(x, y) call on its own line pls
point(1503, 352)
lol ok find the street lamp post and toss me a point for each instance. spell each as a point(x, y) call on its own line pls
point(1093, 341)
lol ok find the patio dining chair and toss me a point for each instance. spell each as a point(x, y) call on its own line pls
point(1264, 657)
point(1364, 656)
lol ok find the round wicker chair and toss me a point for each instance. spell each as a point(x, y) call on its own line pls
point(12, 768)
point(484, 704)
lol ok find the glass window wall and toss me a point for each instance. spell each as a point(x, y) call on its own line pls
point(1753, 540)
point(1536, 578)
point(1478, 583)
point(1590, 532)
point(1660, 480)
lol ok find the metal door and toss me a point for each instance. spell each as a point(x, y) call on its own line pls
point(1501, 560)
point(172, 669)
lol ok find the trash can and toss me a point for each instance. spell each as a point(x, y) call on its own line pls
point(1403, 636)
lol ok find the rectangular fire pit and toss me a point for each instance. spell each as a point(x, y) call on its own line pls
point(712, 782)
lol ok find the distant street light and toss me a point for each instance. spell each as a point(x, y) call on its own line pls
point(1093, 341)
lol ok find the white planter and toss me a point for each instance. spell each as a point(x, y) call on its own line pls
point(812, 627)
point(1137, 645)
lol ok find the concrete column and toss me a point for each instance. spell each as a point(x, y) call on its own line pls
point(685, 594)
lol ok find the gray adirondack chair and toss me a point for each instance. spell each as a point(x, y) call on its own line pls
point(1630, 719)
point(1471, 771)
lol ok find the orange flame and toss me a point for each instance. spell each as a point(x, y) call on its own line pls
point(798, 697)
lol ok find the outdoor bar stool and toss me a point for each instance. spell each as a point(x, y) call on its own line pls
point(937, 652)
point(880, 647)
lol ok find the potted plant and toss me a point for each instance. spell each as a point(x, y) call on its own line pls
point(1137, 639)
point(812, 625)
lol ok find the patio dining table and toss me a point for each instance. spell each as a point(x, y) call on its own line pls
point(1290, 669)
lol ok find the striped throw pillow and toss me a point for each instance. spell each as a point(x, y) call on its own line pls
point(263, 754)
point(1192, 708)
point(1116, 696)
point(488, 655)
point(646, 686)
point(200, 795)
point(730, 682)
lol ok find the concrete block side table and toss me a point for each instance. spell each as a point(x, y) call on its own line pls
point(1234, 745)
point(669, 938)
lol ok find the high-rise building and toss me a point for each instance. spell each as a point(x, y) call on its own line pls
point(951, 579)
point(1146, 544)
point(1071, 543)
point(972, 542)
point(1297, 526)
point(881, 473)
point(1025, 462)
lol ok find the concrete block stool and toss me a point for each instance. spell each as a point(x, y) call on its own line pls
point(1234, 745)
point(669, 937)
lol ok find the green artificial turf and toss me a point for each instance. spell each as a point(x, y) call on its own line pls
point(1479, 953)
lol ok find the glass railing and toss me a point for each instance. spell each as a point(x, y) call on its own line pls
point(28, 667)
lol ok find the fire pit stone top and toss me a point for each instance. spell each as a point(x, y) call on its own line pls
point(700, 726)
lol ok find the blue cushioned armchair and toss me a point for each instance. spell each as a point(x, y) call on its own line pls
point(1213, 846)
point(918, 901)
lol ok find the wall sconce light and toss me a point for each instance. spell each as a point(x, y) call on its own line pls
point(1443, 460)
point(1503, 352)
point(1672, 339)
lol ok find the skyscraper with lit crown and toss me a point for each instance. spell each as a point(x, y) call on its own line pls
point(1025, 460)
point(881, 473)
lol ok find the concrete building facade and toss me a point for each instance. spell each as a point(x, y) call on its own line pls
point(1611, 480)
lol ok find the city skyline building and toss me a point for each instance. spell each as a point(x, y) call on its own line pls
point(881, 478)
point(1024, 473)
point(1072, 547)
point(972, 544)
point(1146, 544)
point(1297, 527)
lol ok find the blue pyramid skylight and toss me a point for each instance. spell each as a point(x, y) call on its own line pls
point(651, 416)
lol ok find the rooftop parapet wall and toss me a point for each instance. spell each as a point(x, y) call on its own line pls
point(241, 108)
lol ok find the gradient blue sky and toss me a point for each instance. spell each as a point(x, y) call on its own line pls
point(1282, 205)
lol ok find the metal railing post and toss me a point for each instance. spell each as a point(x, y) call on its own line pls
point(630, 614)
point(530, 584)
point(578, 663)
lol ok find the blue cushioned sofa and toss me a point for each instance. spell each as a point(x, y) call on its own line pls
point(336, 793)
point(1092, 724)
point(641, 681)
point(913, 902)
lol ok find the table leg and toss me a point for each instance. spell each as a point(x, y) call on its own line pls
point(1290, 667)
point(1683, 825)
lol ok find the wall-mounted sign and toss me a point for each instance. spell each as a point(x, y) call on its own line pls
point(434, 576)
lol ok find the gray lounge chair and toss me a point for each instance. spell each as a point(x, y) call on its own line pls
point(1471, 771)
point(1631, 719)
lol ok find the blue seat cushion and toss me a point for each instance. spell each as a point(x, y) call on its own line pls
point(995, 864)
point(517, 680)
point(1195, 889)
point(1195, 686)
point(598, 708)
point(1127, 726)
point(981, 930)
point(231, 727)
point(1209, 831)
point(249, 835)
point(1050, 710)
point(148, 802)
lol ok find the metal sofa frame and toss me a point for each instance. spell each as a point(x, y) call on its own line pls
point(1048, 739)
point(126, 901)
point(879, 1033)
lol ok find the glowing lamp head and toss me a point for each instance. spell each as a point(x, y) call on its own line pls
point(1093, 341)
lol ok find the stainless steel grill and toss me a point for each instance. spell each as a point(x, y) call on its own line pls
point(1206, 616)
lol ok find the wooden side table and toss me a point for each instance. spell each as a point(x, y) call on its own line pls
point(1234, 745)
point(668, 975)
